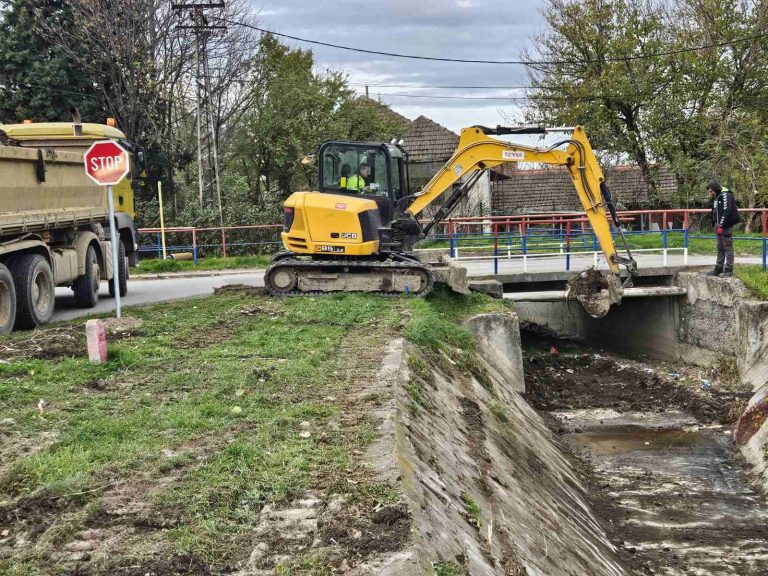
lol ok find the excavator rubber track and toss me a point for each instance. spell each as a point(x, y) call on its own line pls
point(291, 276)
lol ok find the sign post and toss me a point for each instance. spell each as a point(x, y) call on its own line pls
point(107, 163)
point(162, 220)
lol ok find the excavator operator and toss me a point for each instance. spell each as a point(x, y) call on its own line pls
point(357, 183)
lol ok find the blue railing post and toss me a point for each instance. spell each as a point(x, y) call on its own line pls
point(568, 246)
point(495, 248)
point(451, 239)
point(764, 218)
point(159, 247)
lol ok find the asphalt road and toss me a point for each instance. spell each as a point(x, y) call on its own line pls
point(178, 288)
point(152, 291)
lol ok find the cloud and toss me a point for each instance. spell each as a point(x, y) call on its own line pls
point(474, 29)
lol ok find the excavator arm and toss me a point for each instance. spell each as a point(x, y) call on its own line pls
point(477, 151)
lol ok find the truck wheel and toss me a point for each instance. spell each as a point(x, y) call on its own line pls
point(86, 287)
point(7, 300)
point(35, 292)
point(122, 270)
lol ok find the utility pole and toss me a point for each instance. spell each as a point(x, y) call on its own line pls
point(194, 17)
point(366, 92)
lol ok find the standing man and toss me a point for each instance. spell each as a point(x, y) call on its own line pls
point(725, 215)
point(356, 182)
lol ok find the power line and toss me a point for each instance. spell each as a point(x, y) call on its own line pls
point(446, 97)
point(419, 86)
point(503, 62)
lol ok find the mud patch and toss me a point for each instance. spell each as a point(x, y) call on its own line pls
point(27, 518)
point(45, 344)
point(556, 382)
point(186, 564)
point(361, 534)
point(750, 422)
point(241, 290)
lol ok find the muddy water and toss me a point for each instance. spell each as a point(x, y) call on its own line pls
point(683, 505)
point(670, 490)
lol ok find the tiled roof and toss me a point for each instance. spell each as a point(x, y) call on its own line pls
point(387, 112)
point(507, 170)
point(427, 141)
point(551, 189)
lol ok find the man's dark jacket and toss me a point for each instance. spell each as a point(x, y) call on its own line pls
point(724, 211)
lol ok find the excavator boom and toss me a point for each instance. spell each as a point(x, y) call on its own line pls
point(476, 151)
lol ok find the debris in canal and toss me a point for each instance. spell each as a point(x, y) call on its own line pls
point(656, 454)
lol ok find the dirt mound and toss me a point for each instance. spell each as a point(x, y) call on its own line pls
point(587, 282)
point(566, 382)
point(186, 564)
point(240, 290)
point(45, 344)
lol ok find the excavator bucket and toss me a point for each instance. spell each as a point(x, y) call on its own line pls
point(595, 292)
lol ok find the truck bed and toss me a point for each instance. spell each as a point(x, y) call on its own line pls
point(67, 197)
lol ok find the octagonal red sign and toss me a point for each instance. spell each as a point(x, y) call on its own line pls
point(106, 162)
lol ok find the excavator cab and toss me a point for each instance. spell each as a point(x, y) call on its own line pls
point(386, 181)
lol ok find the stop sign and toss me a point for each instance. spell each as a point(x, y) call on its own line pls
point(106, 162)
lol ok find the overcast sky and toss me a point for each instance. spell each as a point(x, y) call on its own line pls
point(469, 29)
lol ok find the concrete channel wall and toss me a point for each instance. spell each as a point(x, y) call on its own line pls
point(488, 487)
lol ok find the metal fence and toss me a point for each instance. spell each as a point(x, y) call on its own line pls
point(202, 242)
point(494, 238)
point(562, 235)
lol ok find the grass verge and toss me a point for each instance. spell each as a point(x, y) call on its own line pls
point(205, 415)
point(755, 279)
point(203, 264)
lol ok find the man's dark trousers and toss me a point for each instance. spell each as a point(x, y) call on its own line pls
point(725, 251)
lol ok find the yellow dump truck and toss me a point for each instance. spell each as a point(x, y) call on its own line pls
point(54, 228)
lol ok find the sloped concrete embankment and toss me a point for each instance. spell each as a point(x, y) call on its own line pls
point(489, 490)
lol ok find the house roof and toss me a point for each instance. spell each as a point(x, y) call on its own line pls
point(427, 141)
point(551, 189)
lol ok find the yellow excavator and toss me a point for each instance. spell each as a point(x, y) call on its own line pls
point(357, 233)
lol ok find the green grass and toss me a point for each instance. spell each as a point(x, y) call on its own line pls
point(204, 414)
point(471, 510)
point(450, 568)
point(203, 264)
point(755, 279)
point(436, 321)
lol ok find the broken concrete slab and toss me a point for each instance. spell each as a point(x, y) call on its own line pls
point(493, 288)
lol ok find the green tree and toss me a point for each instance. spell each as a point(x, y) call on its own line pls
point(653, 81)
point(599, 71)
point(39, 80)
point(363, 119)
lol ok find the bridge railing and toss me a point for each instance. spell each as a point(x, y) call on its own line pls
point(563, 235)
point(523, 237)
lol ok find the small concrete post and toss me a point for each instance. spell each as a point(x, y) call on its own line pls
point(97, 341)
